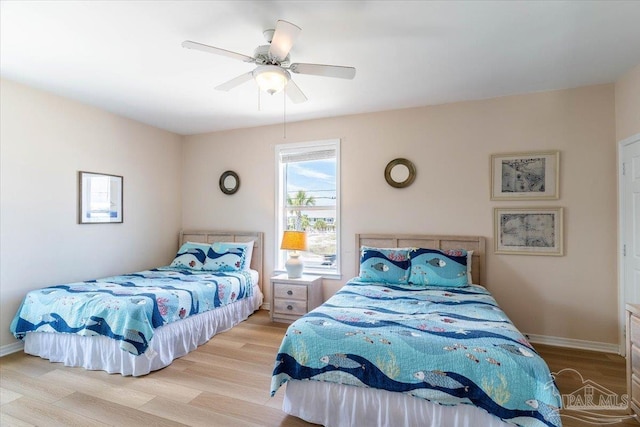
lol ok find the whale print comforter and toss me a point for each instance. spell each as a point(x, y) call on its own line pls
point(128, 308)
point(446, 345)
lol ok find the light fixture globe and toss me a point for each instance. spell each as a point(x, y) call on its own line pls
point(271, 78)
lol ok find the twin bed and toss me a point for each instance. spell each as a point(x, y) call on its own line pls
point(137, 323)
point(414, 341)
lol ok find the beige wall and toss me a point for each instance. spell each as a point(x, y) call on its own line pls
point(573, 296)
point(44, 141)
point(627, 93)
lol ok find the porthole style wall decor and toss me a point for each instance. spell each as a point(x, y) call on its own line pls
point(229, 182)
point(400, 173)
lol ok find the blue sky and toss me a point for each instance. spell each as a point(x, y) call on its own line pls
point(315, 177)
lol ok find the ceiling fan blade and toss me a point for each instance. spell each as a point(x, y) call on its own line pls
point(285, 35)
point(210, 49)
point(242, 78)
point(294, 93)
point(324, 70)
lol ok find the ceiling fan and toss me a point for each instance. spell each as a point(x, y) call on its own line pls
point(273, 71)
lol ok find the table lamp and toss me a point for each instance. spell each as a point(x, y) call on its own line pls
point(294, 241)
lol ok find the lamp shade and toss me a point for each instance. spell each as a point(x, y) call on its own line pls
point(271, 78)
point(294, 241)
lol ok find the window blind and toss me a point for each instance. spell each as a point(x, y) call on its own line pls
point(307, 155)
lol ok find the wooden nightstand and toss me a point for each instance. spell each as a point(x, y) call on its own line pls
point(633, 357)
point(292, 298)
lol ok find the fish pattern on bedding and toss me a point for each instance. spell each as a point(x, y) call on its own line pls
point(129, 307)
point(446, 345)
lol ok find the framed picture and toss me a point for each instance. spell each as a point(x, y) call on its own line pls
point(99, 198)
point(525, 176)
point(528, 231)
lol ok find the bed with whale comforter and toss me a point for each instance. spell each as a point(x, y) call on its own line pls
point(135, 323)
point(380, 353)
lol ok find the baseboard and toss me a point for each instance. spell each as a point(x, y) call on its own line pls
point(11, 348)
point(572, 343)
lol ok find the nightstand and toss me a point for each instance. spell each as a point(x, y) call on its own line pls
point(292, 298)
point(633, 356)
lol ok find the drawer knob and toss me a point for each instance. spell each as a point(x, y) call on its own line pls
point(289, 307)
point(289, 292)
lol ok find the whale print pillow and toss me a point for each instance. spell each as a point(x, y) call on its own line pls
point(431, 267)
point(248, 253)
point(223, 256)
point(469, 264)
point(191, 255)
point(384, 265)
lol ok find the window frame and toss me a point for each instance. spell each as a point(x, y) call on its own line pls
point(280, 200)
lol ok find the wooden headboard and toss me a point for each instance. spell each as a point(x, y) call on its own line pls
point(470, 243)
point(212, 236)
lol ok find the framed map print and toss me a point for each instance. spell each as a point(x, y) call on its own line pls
point(525, 176)
point(528, 231)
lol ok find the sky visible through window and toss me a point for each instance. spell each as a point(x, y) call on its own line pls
point(316, 177)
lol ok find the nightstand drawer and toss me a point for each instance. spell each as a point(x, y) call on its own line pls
point(292, 298)
point(288, 291)
point(635, 390)
point(635, 360)
point(634, 333)
point(285, 306)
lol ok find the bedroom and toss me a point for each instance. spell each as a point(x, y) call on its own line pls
point(571, 299)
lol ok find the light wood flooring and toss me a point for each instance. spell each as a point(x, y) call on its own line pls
point(223, 383)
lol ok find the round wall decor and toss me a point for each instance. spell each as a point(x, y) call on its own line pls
point(400, 173)
point(229, 182)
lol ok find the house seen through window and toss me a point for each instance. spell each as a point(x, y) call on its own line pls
point(308, 200)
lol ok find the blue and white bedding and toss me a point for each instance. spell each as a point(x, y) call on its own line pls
point(129, 307)
point(449, 346)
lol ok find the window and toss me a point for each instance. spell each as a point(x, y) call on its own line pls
point(308, 177)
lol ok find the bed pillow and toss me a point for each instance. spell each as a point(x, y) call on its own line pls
point(469, 265)
point(247, 255)
point(191, 255)
point(384, 265)
point(226, 256)
point(431, 267)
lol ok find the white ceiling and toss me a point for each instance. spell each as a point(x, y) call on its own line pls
point(126, 57)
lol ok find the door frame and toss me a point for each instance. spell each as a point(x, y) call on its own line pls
point(621, 238)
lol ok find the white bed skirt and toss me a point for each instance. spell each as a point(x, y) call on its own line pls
point(168, 343)
point(332, 404)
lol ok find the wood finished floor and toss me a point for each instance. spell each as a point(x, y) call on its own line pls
point(223, 383)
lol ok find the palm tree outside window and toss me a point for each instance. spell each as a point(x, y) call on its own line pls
point(300, 200)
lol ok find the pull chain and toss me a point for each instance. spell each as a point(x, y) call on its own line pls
point(259, 107)
point(284, 116)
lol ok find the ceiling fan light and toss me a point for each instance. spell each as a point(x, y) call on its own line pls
point(271, 78)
